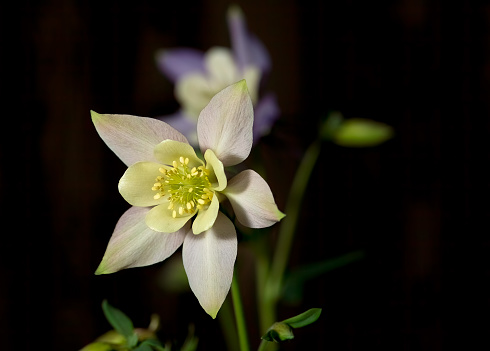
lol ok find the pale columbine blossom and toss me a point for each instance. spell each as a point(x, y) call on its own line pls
point(175, 195)
point(199, 76)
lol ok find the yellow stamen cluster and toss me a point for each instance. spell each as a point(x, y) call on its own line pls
point(187, 188)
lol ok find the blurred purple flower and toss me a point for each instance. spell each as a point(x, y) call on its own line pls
point(199, 76)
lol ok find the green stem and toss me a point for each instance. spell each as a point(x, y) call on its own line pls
point(239, 316)
point(263, 345)
point(225, 317)
point(262, 265)
point(288, 228)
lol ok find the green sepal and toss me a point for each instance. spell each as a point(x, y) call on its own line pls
point(304, 318)
point(121, 323)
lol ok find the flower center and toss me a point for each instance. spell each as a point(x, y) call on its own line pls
point(187, 189)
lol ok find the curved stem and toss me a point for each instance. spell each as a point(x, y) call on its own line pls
point(288, 228)
point(263, 345)
point(225, 317)
point(239, 316)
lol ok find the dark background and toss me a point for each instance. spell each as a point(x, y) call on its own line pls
point(417, 205)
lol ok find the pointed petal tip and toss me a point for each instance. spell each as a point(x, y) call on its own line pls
point(94, 115)
point(241, 85)
point(100, 270)
point(235, 11)
point(280, 215)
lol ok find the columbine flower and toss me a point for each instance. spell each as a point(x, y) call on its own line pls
point(175, 195)
point(199, 76)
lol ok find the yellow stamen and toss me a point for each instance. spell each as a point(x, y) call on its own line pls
point(187, 189)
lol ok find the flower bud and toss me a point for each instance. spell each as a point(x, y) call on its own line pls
point(279, 332)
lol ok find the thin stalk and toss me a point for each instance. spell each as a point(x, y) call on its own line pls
point(239, 315)
point(288, 228)
point(225, 317)
point(262, 266)
point(263, 345)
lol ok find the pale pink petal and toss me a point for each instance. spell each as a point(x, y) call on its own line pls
point(225, 124)
point(209, 259)
point(252, 200)
point(133, 244)
point(133, 138)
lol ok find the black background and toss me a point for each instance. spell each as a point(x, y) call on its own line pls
point(417, 205)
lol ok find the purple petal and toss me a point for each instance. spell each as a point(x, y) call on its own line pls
point(266, 113)
point(259, 56)
point(248, 50)
point(175, 63)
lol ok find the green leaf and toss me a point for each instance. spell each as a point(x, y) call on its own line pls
point(294, 282)
point(304, 318)
point(154, 344)
point(120, 322)
point(132, 340)
point(143, 347)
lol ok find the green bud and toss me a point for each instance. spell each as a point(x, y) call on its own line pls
point(279, 332)
point(360, 132)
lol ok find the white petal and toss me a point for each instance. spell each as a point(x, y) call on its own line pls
point(193, 92)
point(133, 244)
point(209, 259)
point(133, 138)
point(252, 200)
point(221, 67)
point(225, 124)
